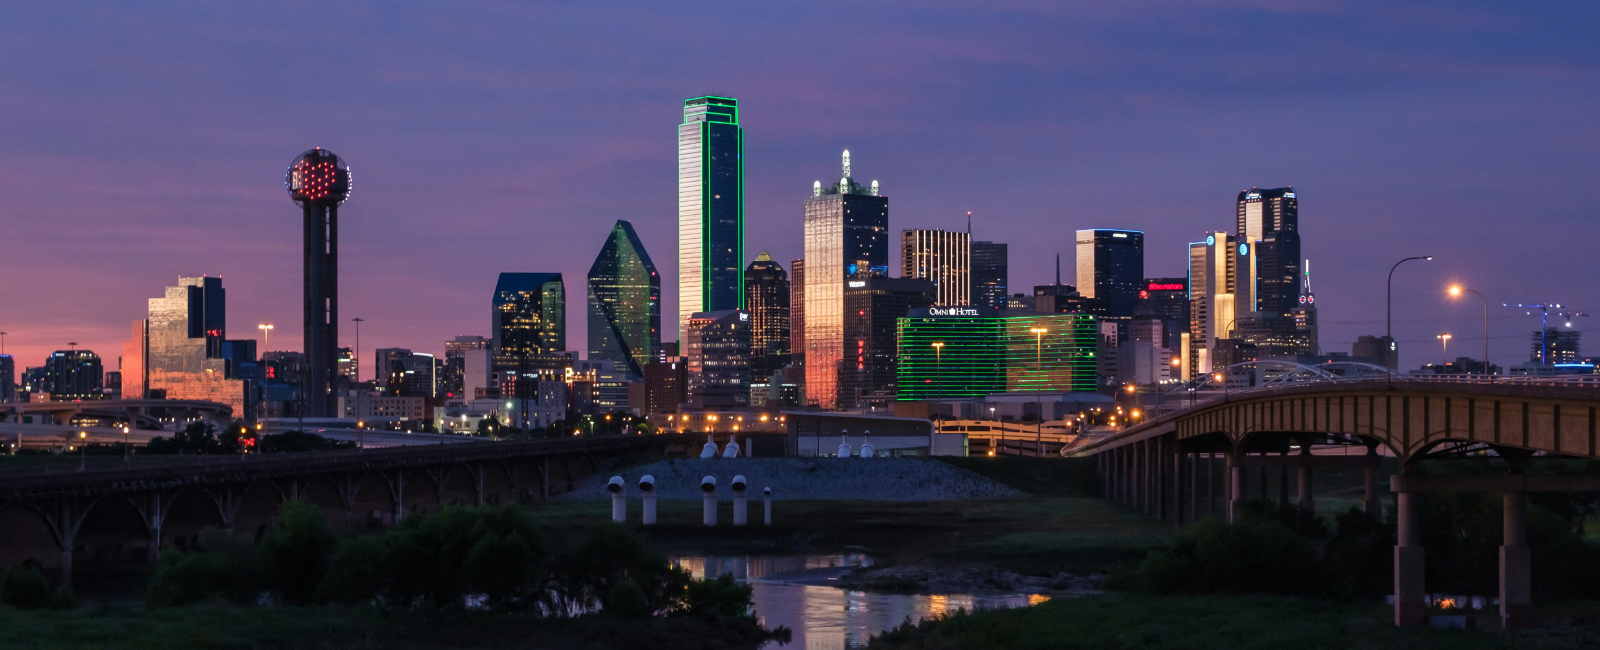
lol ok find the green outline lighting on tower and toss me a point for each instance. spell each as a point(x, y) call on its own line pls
point(710, 208)
point(966, 353)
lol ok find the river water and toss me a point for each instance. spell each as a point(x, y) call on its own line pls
point(793, 591)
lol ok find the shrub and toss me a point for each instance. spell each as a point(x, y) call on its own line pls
point(294, 555)
point(719, 597)
point(222, 567)
point(25, 588)
point(354, 572)
point(1252, 555)
point(587, 575)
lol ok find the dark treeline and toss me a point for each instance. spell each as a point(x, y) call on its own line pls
point(493, 558)
point(1279, 551)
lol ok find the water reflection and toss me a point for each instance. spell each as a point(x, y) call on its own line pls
point(793, 591)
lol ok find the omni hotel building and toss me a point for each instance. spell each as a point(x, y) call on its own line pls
point(970, 352)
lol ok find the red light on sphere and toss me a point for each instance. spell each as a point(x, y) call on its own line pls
point(1144, 294)
point(318, 176)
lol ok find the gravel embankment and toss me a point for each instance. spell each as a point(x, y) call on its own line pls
point(878, 479)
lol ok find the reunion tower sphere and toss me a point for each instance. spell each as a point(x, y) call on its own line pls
point(318, 177)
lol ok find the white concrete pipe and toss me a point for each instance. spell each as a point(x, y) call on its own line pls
point(731, 450)
point(619, 500)
point(647, 492)
point(708, 485)
point(844, 443)
point(710, 448)
point(866, 444)
point(740, 509)
point(766, 496)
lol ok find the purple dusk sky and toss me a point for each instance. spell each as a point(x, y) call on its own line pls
point(144, 141)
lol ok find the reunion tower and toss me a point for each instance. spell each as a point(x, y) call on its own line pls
point(319, 181)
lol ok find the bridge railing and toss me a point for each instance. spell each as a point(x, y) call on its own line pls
point(194, 467)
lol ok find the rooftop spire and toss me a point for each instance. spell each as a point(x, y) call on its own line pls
point(847, 163)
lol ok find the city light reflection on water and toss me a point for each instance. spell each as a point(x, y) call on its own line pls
point(829, 618)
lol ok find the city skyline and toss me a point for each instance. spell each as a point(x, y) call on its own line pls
point(108, 182)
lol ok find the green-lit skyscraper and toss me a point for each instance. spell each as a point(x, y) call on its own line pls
point(710, 208)
point(624, 303)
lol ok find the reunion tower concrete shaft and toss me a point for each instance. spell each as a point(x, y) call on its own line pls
point(319, 181)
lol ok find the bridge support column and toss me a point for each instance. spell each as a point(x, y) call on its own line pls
point(1516, 584)
point(1211, 484)
point(1410, 606)
point(1194, 487)
point(1303, 499)
point(1164, 479)
point(1125, 474)
point(1236, 487)
point(1369, 499)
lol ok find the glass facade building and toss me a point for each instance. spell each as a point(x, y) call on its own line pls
point(989, 274)
point(8, 378)
point(1110, 268)
point(766, 297)
point(529, 314)
point(1269, 220)
point(717, 350)
point(969, 352)
point(846, 234)
point(1220, 269)
point(178, 351)
point(710, 208)
point(943, 257)
point(624, 303)
point(873, 307)
point(71, 375)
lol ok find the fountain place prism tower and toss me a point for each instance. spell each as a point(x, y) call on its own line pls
point(319, 181)
point(710, 208)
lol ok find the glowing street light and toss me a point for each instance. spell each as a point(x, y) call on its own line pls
point(1444, 342)
point(1455, 292)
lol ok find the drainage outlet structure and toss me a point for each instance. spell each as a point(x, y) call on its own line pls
point(867, 450)
point(708, 485)
point(844, 444)
point(710, 448)
point(647, 494)
point(766, 497)
point(619, 499)
point(740, 508)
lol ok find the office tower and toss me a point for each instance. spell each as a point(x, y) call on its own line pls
point(717, 347)
point(453, 371)
point(1111, 268)
point(1381, 350)
point(624, 303)
point(319, 181)
point(1554, 346)
point(989, 265)
point(943, 257)
point(600, 386)
point(529, 315)
point(846, 235)
point(1219, 293)
point(71, 375)
point(873, 307)
point(33, 379)
point(1272, 218)
point(766, 297)
point(1304, 316)
point(955, 353)
point(1166, 299)
point(403, 372)
point(177, 352)
point(1144, 357)
point(8, 378)
point(666, 385)
point(710, 207)
point(797, 313)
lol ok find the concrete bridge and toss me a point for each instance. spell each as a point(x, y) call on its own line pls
point(147, 412)
point(52, 518)
point(1168, 465)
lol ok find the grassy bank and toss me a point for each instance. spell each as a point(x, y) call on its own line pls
point(1210, 623)
point(249, 628)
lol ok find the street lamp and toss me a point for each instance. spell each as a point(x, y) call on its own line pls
point(127, 450)
point(1444, 342)
point(355, 378)
point(83, 450)
point(1388, 313)
point(1455, 292)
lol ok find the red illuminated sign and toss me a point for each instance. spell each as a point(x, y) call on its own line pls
point(1160, 286)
